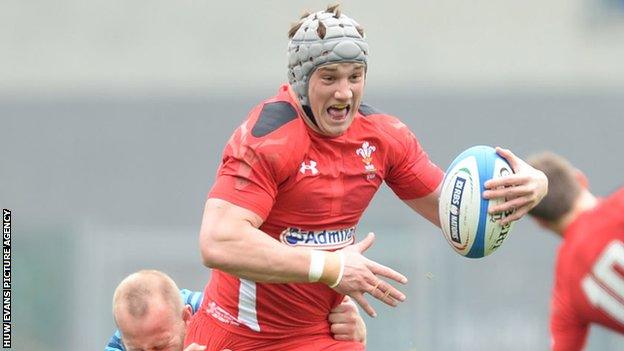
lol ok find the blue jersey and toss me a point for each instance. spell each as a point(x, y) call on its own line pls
point(191, 298)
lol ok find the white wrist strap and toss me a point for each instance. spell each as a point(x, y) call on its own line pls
point(317, 263)
point(342, 264)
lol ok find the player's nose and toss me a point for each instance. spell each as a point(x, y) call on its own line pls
point(343, 90)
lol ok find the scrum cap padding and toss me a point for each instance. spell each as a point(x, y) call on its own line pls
point(307, 50)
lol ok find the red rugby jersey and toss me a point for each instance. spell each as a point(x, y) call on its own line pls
point(311, 191)
point(589, 282)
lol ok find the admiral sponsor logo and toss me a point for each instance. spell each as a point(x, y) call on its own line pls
point(323, 239)
point(458, 190)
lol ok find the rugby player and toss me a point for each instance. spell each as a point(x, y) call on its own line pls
point(589, 274)
point(152, 315)
point(279, 223)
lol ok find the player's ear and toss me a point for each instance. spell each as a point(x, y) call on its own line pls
point(187, 313)
point(582, 179)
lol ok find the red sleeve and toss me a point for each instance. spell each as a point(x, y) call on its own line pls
point(567, 332)
point(248, 174)
point(411, 173)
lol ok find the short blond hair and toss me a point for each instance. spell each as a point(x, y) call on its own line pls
point(138, 291)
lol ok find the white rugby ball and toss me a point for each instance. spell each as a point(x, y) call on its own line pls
point(468, 227)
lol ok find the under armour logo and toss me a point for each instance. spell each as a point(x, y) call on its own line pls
point(311, 167)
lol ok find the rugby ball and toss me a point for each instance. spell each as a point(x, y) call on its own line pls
point(467, 226)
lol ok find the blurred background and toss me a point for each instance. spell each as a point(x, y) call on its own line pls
point(113, 115)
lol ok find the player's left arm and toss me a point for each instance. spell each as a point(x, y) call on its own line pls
point(522, 190)
point(427, 206)
point(346, 323)
point(413, 177)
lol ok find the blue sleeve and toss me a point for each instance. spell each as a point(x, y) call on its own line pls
point(192, 298)
point(114, 344)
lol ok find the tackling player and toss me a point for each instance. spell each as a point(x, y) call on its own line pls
point(589, 281)
point(152, 315)
point(279, 224)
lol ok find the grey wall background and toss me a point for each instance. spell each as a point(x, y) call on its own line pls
point(113, 116)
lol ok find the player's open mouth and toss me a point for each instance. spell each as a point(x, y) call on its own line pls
point(339, 111)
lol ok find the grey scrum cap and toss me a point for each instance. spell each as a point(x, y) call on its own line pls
point(307, 50)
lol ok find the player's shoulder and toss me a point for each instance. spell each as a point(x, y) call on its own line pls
point(272, 118)
point(275, 116)
point(607, 217)
point(273, 131)
point(370, 111)
point(616, 199)
point(604, 221)
point(384, 122)
point(273, 124)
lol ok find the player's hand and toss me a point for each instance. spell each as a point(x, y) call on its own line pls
point(362, 275)
point(195, 347)
point(522, 190)
point(346, 323)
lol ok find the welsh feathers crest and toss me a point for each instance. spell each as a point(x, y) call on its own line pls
point(366, 152)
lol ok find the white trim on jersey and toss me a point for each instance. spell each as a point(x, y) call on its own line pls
point(247, 304)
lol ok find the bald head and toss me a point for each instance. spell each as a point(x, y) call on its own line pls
point(149, 312)
point(138, 293)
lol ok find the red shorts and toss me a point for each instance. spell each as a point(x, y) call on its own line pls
point(205, 330)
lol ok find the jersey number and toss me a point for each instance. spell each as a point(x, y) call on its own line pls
point(606, 283)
